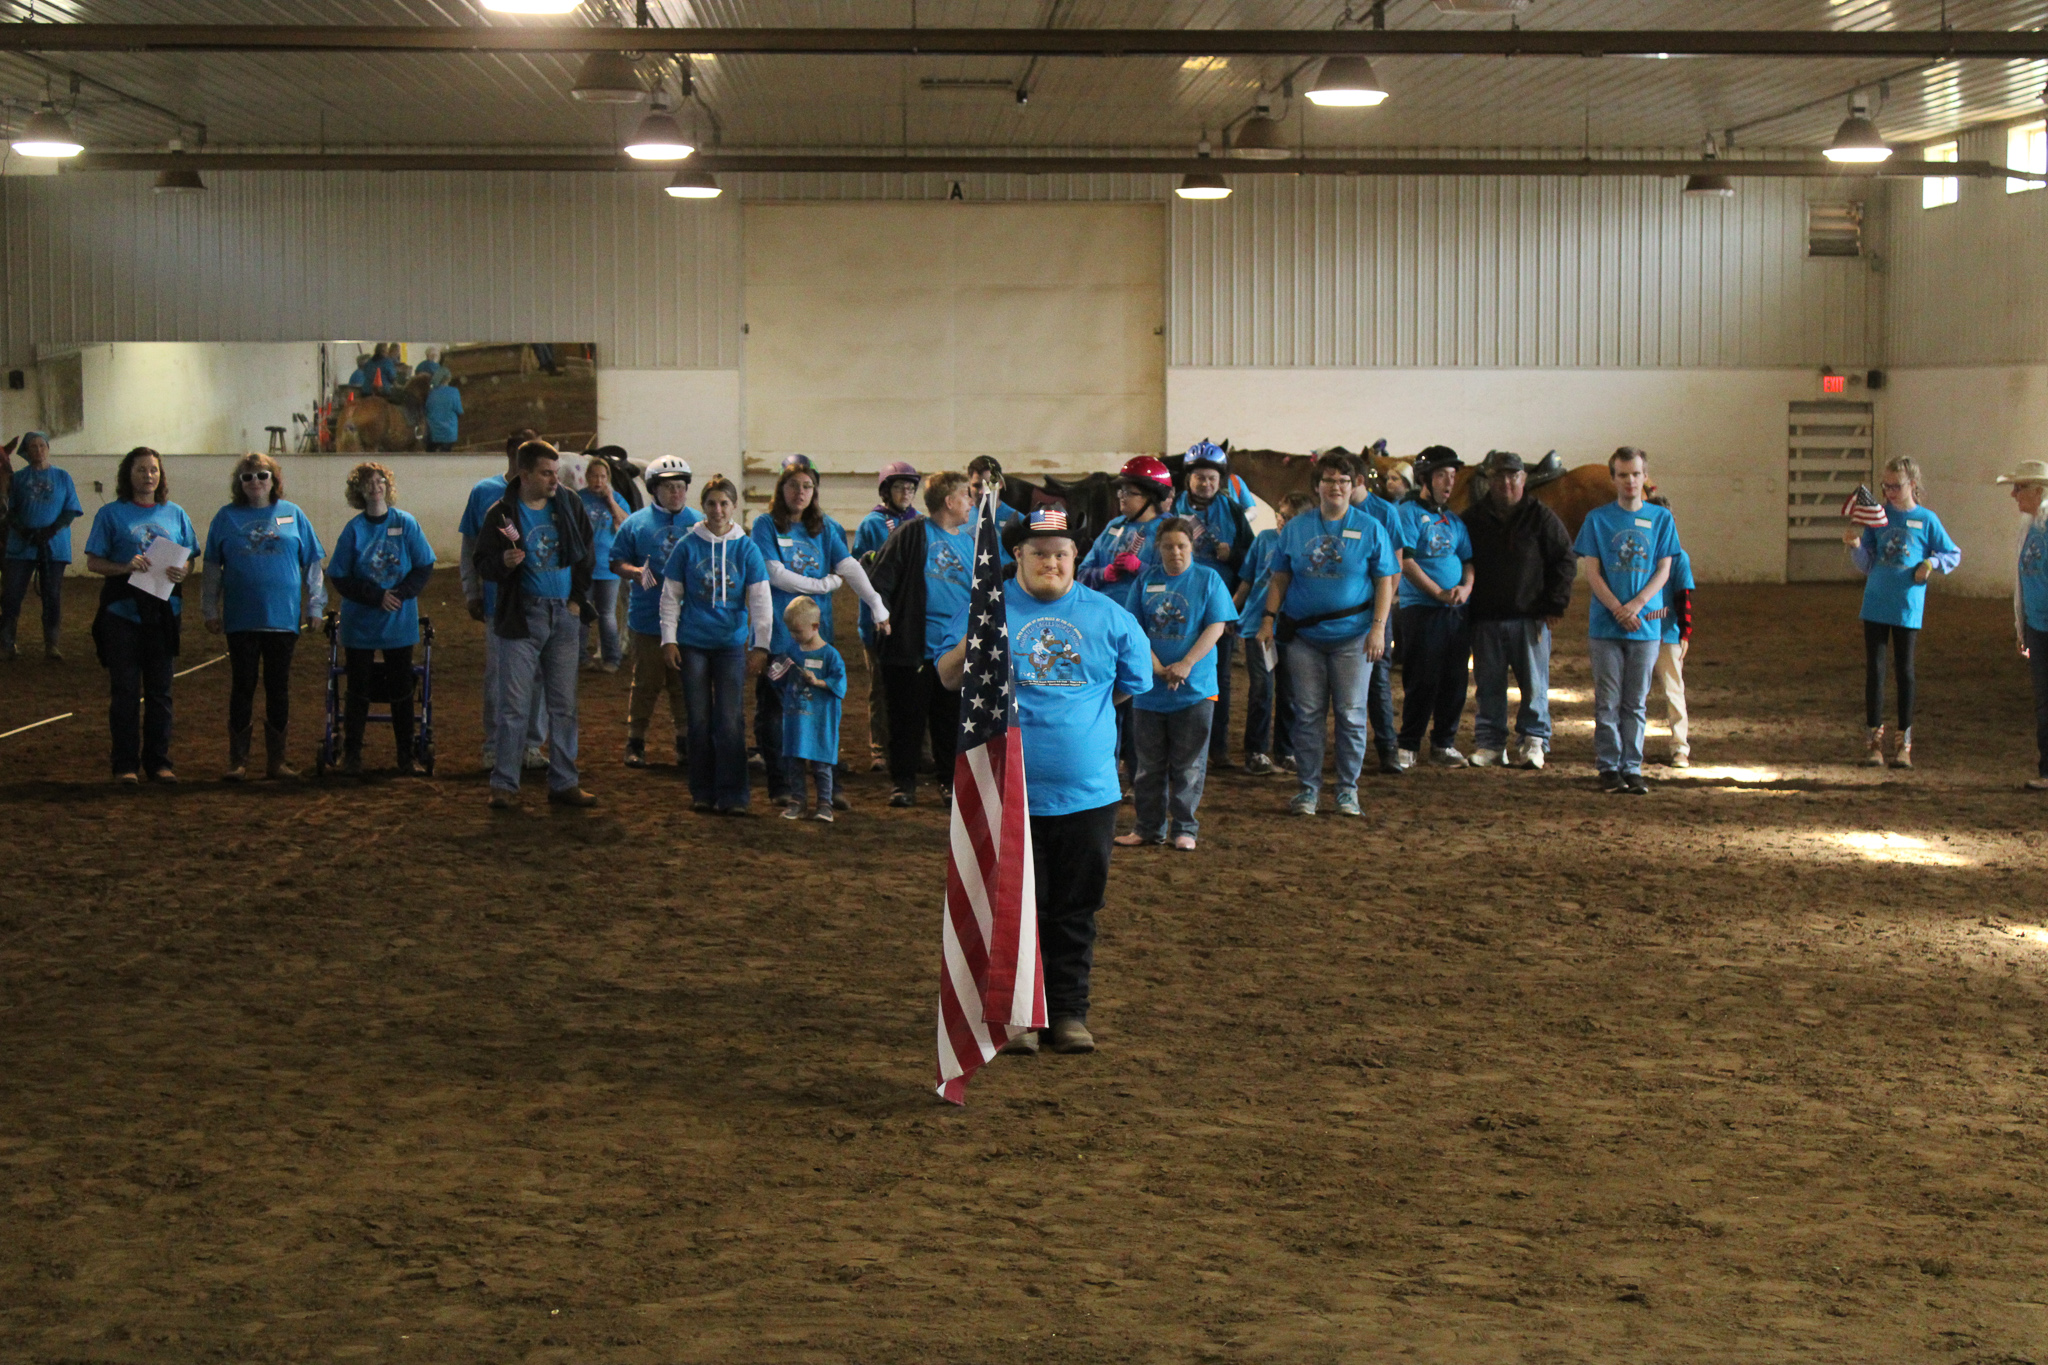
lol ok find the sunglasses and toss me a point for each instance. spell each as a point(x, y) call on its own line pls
point(255, 476)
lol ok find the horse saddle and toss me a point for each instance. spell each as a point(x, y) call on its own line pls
point(1547, 470)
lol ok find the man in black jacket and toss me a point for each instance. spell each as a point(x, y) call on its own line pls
point(1522, 571)
point(536, 546)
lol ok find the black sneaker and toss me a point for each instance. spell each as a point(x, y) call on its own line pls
point(636, 753)
point(1634, 785)
point(1611, 782)
point(901, 798)
point(1389, 764)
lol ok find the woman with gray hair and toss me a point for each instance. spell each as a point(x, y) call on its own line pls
point(1896, 558)
point(2030, 596)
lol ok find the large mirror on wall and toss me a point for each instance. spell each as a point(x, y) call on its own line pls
point(223, 398)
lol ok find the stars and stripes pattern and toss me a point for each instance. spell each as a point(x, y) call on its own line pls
point(1864, 510)
point(991, 984)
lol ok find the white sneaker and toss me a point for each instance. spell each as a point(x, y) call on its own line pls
point(1487, 758)
point(1447, 757)
point(1532, 753)
point(536, 758)
point(1680, 759)
point(1404, 759)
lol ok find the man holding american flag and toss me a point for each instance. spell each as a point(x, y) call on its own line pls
point(1040, 673)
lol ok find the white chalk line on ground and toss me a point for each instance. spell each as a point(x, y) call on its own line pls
point(196, 667)
point(37, 725)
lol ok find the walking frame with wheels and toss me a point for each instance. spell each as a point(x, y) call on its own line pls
point(422, 696)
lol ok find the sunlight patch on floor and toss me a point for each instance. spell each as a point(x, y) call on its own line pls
point(1887, 847)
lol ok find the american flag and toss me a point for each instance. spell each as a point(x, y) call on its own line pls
point(991, 985)
point(1864, 509)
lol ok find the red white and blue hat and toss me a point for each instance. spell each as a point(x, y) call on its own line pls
point(1047, 519)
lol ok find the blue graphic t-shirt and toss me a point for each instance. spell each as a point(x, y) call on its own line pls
point(1069, 657)
point(2033, 570)
point(810, 715)
point(1888, 557)
point(383, 551)
point(602, 534)
point(1386, 512)
point(1173, 611)
point(649, 536)
point(1680, 581)
point(948, 574)
point(1335, 565)
point(263, 554)
point(444, 411)
point(1121, 536)
point(123, 530)
point(542, 571)
point(801, 553)
point(868, 539)
point(715, 575)
point(1216, 528)
point(486, 492)
point(1440, 546)
point(1628, 546)
point(37, 498)
point(1258, 570)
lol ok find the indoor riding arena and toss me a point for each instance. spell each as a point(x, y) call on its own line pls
point(1614, 436)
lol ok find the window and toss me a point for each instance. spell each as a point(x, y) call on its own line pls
point(2026, 149)
point(1937, 190)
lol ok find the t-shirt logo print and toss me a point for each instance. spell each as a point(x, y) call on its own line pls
point(667, 544)
point(1631, 551)
point(380, 562)
point(2034, 553)
point(946, 564)
point(1892, 548)
point(1051, 656)
point(261, 537)
point(1325, 557)
point(1436, 541)
point(1166, 616)
point(546, 546)
point(802, 559)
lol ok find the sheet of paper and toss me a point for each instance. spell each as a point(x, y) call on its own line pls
point(163, 553)
point(1269, 654)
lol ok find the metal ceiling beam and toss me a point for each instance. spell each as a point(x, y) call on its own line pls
point(1032, 42)
point(972, 163)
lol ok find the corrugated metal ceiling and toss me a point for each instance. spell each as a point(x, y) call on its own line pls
point(789, 103)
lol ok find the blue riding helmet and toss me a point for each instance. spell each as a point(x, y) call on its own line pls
point(1206, 453)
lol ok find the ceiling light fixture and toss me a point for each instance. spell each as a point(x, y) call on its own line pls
point(1857, 140)
point(1260, 138)
point(1202, 184)
point(609, 78)
point(1710, 185)
point(531, 6)
point(659, 137)
point(47, 134)
point(693, 185)
point(1347, 83)
point(178, 177)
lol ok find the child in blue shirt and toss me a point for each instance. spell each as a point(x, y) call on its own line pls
point(812, 690)
point(42, 503)
point(607, 514)
point(1897, 559)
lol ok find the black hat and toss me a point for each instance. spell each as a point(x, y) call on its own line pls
point(1504, 462)
point(1434, 458)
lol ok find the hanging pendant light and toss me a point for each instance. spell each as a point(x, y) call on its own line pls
point(1711, 185)
point(47, 134)
point(1857, 140)
point(1202, 185)
point(1347, 83)
point(1260, 138)
point(178, 179)
point(659, 137)
point(609, 78)
point(693, 185)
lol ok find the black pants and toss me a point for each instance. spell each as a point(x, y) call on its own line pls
point(15, 575)
point(272, 650)
point(1070, 854)
point(768, 735)
point(368, 681)
point(1219, 724)
point(2037, 666)
point(1875, 638)
point(1436, 660)
point(139, 710)
point(919, 704)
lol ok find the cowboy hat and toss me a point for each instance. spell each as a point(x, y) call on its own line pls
point(2029, 471)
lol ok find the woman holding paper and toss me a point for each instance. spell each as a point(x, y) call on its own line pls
point(143, 544)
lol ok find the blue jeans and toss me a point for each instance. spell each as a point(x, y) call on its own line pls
point(604, 595)
point(714, 685)
point(536, 673)
point(1435, 648)
point(1269, 705)
point(1621, 694)
point(494, 696)
point(1328, 678)
point(1380, 701)
point(1523, 647)
point(1173, 764)
point(797, 769)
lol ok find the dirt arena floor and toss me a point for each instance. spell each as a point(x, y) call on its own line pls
point(1507, 1071)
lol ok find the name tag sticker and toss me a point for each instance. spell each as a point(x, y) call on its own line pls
point(813, 665)
point(784, 540)
point(1645, 522)
point(1155, 587)
point(1916, 525)
point(393, 531)
point(286, 521)
point(1353, 535)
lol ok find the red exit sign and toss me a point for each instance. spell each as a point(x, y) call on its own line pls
point(1834, 383)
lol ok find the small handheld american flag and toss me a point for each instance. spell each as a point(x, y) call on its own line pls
point(991, 984)
point(1864, 509)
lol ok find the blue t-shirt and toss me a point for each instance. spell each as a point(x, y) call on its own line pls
point(800, 552)
point(481, 497)
point(123, 530)
point(263, 554)
point(382, 552)
point(1386, 512)
point(810, 715)
point(1173, 611)
point(1680, 581)
point(444, 406)
point(602, 533)
point(1334, 565)
point(1217, 525)
point(1628, 546)
point(1122, 536)
point(1889, 557)
point(1068, 658)
point(38, 497)
point(715, 575)
point(2034, 577)
point(542, 571)
point(1258, 570)
point(948, 577)
point(1440, 546)
point(868, 539)
point(649, 536)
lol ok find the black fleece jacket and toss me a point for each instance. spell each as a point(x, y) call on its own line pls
point(1522, 563)
point(898, 575)
point(578, 551)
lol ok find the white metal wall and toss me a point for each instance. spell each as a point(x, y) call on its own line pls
point(1966, 281)
point(1465, 271)
point(293, 257)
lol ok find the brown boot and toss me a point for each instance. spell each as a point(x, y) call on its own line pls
point(1904, 757)
point(1873, 754)
point(273, 750)
point(238, 756)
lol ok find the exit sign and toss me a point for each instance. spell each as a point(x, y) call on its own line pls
point(1834, 383)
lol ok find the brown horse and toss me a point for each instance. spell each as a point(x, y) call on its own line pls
point(1273, 474)
point(372, 424)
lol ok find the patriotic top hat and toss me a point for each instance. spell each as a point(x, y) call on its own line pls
point(1047, 520)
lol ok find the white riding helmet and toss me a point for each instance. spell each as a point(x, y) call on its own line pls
point(666, 468)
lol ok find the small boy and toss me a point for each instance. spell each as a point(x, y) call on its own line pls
point(812, 690)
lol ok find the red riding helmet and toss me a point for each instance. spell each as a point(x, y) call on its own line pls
point(1149, 476)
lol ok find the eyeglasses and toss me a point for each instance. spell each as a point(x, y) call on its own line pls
point(1892, 487)
point(255, 476)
